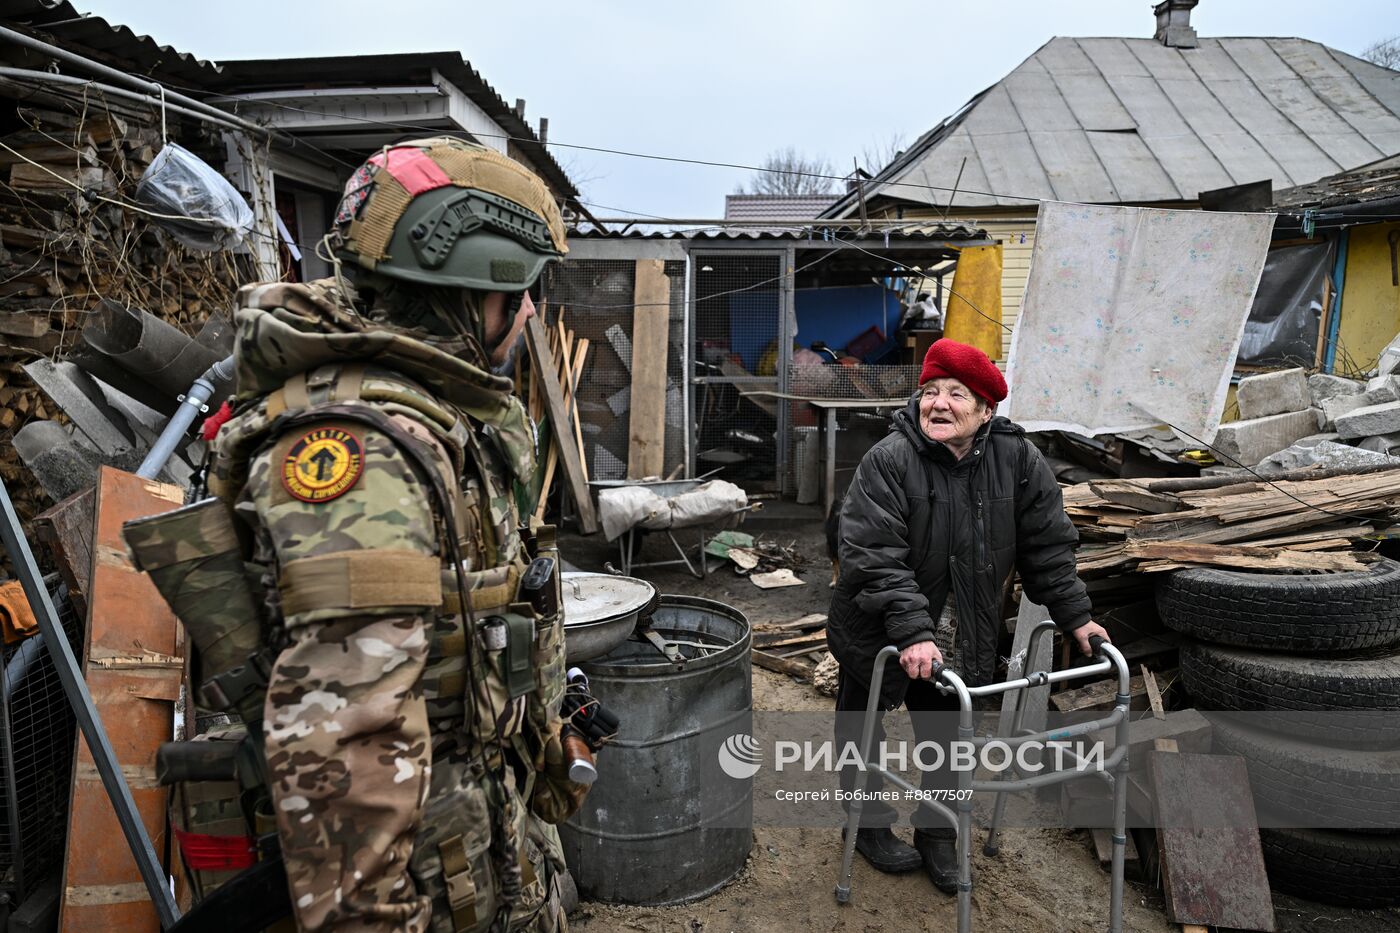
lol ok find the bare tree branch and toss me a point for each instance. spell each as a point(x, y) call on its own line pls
point(1383, 52)
point(787, 172)
point(880, 153)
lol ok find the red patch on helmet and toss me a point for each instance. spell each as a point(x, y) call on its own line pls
point(412, 168)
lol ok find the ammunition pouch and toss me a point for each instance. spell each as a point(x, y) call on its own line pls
point(194, 556)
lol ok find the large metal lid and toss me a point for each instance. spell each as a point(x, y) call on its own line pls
point(597, 597)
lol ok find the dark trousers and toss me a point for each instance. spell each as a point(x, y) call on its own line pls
point(852, 695)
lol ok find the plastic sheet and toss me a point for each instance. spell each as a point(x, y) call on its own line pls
point(178, 182)
point(1287, 311)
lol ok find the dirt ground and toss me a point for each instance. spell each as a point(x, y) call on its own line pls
point(1044, 880)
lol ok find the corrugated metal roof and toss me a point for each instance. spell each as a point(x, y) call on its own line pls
point(908, 234)
point(1128, 121)
point(774, 206)
point(58, 22)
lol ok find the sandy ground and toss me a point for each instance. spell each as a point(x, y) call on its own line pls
point(1044, 880)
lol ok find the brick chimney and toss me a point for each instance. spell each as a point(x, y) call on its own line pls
point(1174, 24)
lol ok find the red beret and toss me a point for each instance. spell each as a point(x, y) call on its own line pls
point(948, 359)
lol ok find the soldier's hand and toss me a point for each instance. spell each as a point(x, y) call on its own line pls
point(918, 660)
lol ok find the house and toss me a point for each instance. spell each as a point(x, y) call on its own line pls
point(1348, 219)
point(331, 113)
point(1138, 121)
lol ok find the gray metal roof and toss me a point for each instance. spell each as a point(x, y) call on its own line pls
point(769, 206)
point(57, 21)
point(1129, 121)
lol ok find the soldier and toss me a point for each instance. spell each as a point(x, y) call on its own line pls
point(411, 718)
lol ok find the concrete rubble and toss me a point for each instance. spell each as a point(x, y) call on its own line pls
point(1370, 421)
point(1354, 423)
point(1248, 442)
point(1273, 393)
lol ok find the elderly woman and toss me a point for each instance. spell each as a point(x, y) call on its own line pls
point(937, 517)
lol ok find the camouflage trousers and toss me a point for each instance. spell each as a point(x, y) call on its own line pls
point(379, 831)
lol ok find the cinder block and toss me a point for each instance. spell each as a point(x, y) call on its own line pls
point(1390, 358)
point(1334, 408)
point(1253, 440)
point(1323, 386)
point(1273, 394)
point(1390, 383)
point(1382, 443)
point(1370, 421)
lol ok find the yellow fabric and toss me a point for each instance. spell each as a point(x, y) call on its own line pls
point(371, 578)
point(16, 618)
point(977, 282)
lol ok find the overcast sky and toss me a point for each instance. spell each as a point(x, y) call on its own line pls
point(721, 80)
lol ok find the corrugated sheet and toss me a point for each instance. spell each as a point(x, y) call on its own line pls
point(773, 206)
point(1129, 121)
point(926, 231)
point(62, 25)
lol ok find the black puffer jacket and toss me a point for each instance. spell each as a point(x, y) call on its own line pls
point(919, 523)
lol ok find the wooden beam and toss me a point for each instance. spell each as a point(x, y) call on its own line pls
point(651, 316)
point(547, 377)
point(772, 662)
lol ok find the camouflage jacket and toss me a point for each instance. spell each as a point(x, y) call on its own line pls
point(354, 452)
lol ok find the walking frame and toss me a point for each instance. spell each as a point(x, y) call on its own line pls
point(1113, 769)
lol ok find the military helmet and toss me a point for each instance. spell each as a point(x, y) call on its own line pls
point(446, 212)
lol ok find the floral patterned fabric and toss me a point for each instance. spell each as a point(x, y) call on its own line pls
point(1132, 317)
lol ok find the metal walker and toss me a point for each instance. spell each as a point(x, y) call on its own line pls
point(1114, 768)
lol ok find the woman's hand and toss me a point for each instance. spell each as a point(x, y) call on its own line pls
point(1082, 635)
point(918, 660)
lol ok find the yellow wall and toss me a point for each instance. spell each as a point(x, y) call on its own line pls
point(1370, 303)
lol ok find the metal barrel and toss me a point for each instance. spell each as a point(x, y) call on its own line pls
point(664, 824)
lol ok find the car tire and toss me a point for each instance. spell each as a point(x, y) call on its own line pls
point(1333, 867)
point(1321, 612)
point(1338, 787)
point(1346, 699)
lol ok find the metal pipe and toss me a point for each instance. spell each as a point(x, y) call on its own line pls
point(193, 403)
point(70, 675)
point(45, 77)
point(121, 77)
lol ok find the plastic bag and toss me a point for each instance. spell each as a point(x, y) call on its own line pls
point(178, 182)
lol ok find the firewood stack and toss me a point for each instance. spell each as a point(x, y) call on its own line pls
point(1295, 523)
point(62, 251)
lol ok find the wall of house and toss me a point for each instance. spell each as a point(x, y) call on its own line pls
point(1017, 236)
point(1370, 302)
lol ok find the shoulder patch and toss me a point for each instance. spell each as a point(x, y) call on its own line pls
point(323, 464)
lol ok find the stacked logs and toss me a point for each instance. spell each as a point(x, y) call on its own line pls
point(62, 250)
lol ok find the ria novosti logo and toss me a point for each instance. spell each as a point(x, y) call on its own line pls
point(740, 756)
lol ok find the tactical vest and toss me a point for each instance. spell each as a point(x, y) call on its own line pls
point(483, 518)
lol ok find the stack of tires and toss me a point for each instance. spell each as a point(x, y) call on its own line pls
point(1293, 651)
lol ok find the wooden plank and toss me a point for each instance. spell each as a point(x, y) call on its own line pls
point(131, 638)
point(1208, 842)
point(1103, 850)
point(548, 378)
point(66, 529)
point(782, 639)
point(1187, 727)
point(1154, 694)
point(1134, 496)
point(770, 662)
point(815, 620)
point(651, 314)
point(1249, 558)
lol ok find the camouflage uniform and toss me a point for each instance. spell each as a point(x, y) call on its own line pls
point(410, 783)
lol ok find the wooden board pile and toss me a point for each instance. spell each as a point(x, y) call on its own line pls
point(61, 251)
point(793, 648)
point(567, 356)
point(1304, 522)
